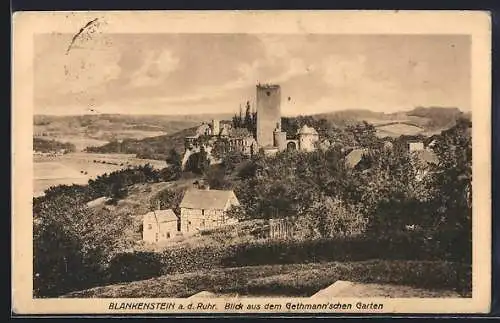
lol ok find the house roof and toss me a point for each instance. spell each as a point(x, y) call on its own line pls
point(162, 215)
point(354, 157)
point(206, 199)
point(307, 130)
point(426, 156)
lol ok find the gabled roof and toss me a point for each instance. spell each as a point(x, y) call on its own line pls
point(162, 215)
point(307, 130)
point(206, 199)
point(426, 156)
point(354, 157)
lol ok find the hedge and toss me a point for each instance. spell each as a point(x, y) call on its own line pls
point(132, 266)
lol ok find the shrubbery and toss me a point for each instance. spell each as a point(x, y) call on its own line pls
point(134, 266)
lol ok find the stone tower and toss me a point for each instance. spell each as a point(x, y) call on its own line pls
point(279, 138)
point(215, 127)
point(268, 113)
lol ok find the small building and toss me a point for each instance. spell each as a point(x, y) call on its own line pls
point(308, 137)
point(206, 209)
point(159, 225)
point(415, 146)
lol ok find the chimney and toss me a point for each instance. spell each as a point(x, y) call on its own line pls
point(158, 205)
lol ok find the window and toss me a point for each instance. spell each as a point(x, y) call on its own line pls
point(157, 236)
point(150, 226)
point(202, 212)
point(168, 235)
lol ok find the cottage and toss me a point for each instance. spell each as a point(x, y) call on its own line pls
point(159, 225)
point(206, 209)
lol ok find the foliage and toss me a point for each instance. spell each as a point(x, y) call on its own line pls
point(168, 199)
point(157, 148)
point(48, 146)
point(198, 162)
point(71, 244)
point(215, 176)
point(173, 171)
point(329, 217)
point(129, 266)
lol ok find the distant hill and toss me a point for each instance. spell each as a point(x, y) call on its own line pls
point(152, 147)
point(98, 129)
point(47, 146)
point(425, 121)
point(430, 119)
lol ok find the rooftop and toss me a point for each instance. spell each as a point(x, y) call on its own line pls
point(162, 215)
point(307, 130)
point(206, 199)
point(354, 157)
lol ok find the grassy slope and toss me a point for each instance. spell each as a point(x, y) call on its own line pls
point(135, 205)
point(300, 280)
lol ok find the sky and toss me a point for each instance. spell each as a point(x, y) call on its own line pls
point(216, 73)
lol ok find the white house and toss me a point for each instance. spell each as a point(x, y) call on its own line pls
point(206, 209)
point(159, 225)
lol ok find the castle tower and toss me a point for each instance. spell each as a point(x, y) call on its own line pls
point(279, 138)
point(215, 127)
point(268, 113)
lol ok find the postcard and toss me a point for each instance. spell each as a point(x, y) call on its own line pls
point(200, 162)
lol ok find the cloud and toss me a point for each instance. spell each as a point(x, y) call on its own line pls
point(342, 71)
point(156, 67)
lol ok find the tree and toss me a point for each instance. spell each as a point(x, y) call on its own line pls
point(173, 171)
point(174, 158)
point(452, 191)
point(328, 217)
point(364, 135)
point(247, 123)
point(169, 199)
point(215, 177)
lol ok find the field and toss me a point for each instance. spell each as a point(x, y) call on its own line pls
point(78, 168)
point(398, 129)
point(375, 278)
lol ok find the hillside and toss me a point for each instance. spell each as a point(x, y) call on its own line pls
point(430, 119)
point(420, 121)
point(98, 129)
point(140, 198)
point(47, 146)
point(153, 147)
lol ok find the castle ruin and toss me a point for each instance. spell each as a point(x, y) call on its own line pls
point(269, 137)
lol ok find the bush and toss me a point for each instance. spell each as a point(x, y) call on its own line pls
point(129, 266)
point(322, 250)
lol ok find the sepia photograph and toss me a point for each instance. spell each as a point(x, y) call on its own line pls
point(288, 168)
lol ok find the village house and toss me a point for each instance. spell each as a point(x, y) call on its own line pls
point(206, 209)
point(159, 225)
